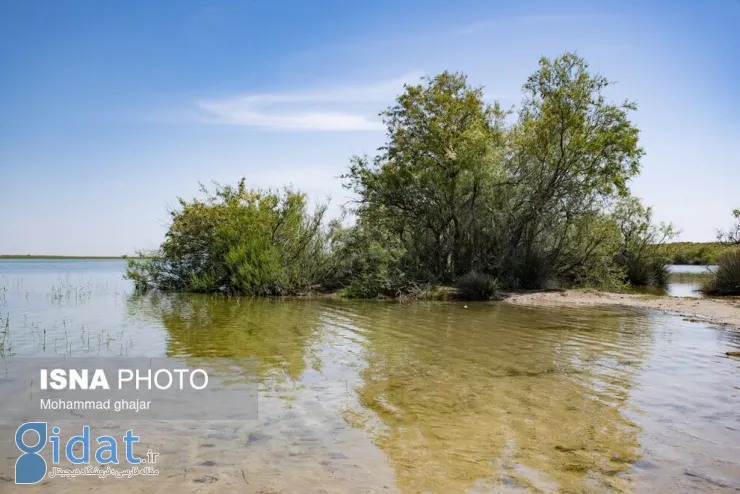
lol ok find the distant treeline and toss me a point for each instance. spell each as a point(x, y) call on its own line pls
point(31, 256)
point(462, 193)
point(696, 253)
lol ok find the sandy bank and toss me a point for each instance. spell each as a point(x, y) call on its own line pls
point(719, 311)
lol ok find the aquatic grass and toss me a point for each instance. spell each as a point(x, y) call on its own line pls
point(661, 274)
point(725, 280)
point(68, 291)
point(41, 333)
point(478, 286)
point(5, 332)
point(646, 271)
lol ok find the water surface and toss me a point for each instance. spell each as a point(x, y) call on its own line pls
point(684, 280)
point(422, 397)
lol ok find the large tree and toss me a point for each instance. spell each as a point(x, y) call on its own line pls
point(427, 183)
point(463, 191)
point(570, 154)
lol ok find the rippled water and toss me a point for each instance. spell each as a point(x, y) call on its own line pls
point(422, 397)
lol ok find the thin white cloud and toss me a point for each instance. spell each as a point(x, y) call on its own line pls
point(480, 26)
point(308, 110)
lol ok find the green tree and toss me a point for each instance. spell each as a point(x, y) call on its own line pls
point(427, 183)
point(570, 154)
point(641, 240)
point(458, 191)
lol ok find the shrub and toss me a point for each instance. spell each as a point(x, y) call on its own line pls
point(378, 273)
point(606, 275)
point(531, 272)
point(646, 271)
point(478, 286)
point(726, 279)
point(241, 241)
point(661, 274)
point(641, 253)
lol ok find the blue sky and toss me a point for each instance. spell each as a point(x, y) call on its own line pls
point(110, 110)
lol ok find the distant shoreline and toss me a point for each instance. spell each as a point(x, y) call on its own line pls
point(82, 258)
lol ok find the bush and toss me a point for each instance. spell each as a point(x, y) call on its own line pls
point(726, 279)
point(641, 253)
point(458, 187)
point(478, 286)
point(378, 274)
point(646, 271)
point(661, 274)
point(240, 241)
point(527, 271)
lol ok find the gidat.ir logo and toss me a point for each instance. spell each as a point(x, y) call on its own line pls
point(32, 437)
point(30, 467)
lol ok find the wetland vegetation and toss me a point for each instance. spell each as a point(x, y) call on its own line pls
point(725, 279)
point(462, 192)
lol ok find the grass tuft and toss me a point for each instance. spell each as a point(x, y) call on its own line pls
point(478, 286)
point(725, 280)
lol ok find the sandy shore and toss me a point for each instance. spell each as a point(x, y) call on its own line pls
point(719, 311)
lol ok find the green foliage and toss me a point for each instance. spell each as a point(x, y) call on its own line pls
point(378, 273)
point(139, 271)
point(525, 203)
point(371, 264)
point(571, 152)
point(705, 252)
point(478, 286)
point(459, 192)
point(726, 279)
point(646, 272)
point(428, 183)
point(640, 250)
point(242, 241)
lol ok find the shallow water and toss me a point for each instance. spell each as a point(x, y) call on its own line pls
point(387, 397)
point(684, 280)
point(690, 268)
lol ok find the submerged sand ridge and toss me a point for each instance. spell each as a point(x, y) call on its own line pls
point(718, 311)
